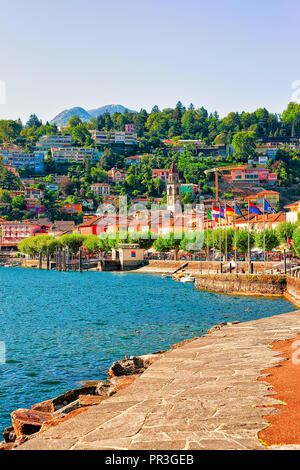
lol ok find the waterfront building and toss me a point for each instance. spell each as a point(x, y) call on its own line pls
point(13, 232)
point(294, 212)
point(47, 142)
point(173, 190)
point(113, 137)
point(259, 222)
point(100, 188)
point(75, 154)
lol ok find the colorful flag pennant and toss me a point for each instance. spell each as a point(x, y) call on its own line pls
point(238, 211)
point(253, 209)
point(268, 208)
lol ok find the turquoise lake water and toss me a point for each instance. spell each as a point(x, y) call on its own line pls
point(63, 328)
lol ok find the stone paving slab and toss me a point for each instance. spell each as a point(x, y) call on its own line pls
point(202, 395)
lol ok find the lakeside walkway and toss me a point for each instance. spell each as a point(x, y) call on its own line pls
point(202, 395)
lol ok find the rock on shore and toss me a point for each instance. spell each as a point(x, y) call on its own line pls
point(26, 423)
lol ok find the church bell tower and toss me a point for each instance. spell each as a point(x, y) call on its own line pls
point(173, 190)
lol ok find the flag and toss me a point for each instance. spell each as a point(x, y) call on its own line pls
point(268, 208)
point(218, 212)
point(238, 211)
point(222, 214)
point(290, 242)
point(215, 211)
point(209, 214)
point(253, 209)
point(229, 211)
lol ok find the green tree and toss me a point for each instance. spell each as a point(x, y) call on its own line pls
point(244, 145)
point(271, 239)
point(242, 240)
point(296, 241)
point(92, 244)
point(74, 241)
point(286, 230)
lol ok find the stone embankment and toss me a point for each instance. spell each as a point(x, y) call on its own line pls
point(244, 284)
point(194, 267)
point(205, 394)
point(292, 292)
point(49, 413)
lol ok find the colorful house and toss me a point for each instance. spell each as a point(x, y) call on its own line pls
point(189, 188)
point(135, 160)
point(115, 175)
point(100, 188)
point(294, 212)
point(161, 173)
point(272, 197)
point(13, 232)
point(250, 175)
point(71, 208)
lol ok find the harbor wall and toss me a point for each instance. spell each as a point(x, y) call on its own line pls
point(194, 267)
point(250, 284)
point(292, 292)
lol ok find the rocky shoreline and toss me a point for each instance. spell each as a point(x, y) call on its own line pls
point(28, 423)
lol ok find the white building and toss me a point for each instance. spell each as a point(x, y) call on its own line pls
point(105, 137)
point(46, 142)
point(75, 154)
point(294, 212)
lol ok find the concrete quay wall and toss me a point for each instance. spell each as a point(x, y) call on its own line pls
point(242, 283)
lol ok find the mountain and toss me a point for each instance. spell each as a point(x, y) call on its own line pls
point(109, 108)
point(62, 118)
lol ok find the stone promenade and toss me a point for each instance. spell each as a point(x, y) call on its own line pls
point(202, 395)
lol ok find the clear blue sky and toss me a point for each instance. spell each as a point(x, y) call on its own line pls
point(228, 55)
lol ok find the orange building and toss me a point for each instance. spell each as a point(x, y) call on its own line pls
point(71, 208)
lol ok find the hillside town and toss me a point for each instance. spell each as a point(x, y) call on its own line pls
point(74, 179)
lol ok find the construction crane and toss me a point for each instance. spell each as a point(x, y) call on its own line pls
point(219, 170)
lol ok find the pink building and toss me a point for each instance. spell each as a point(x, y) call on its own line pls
point(13, 232)
point(115, 175)
point(129, 127)
point(250, 175)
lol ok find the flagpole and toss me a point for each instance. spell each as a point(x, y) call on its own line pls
point(225, 235)
point(220, 244)
point(249, 251)
point(207, 249)
point(264, 235)
point(213, 238)
point(234, 227)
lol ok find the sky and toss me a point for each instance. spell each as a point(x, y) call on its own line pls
point(227, 56)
